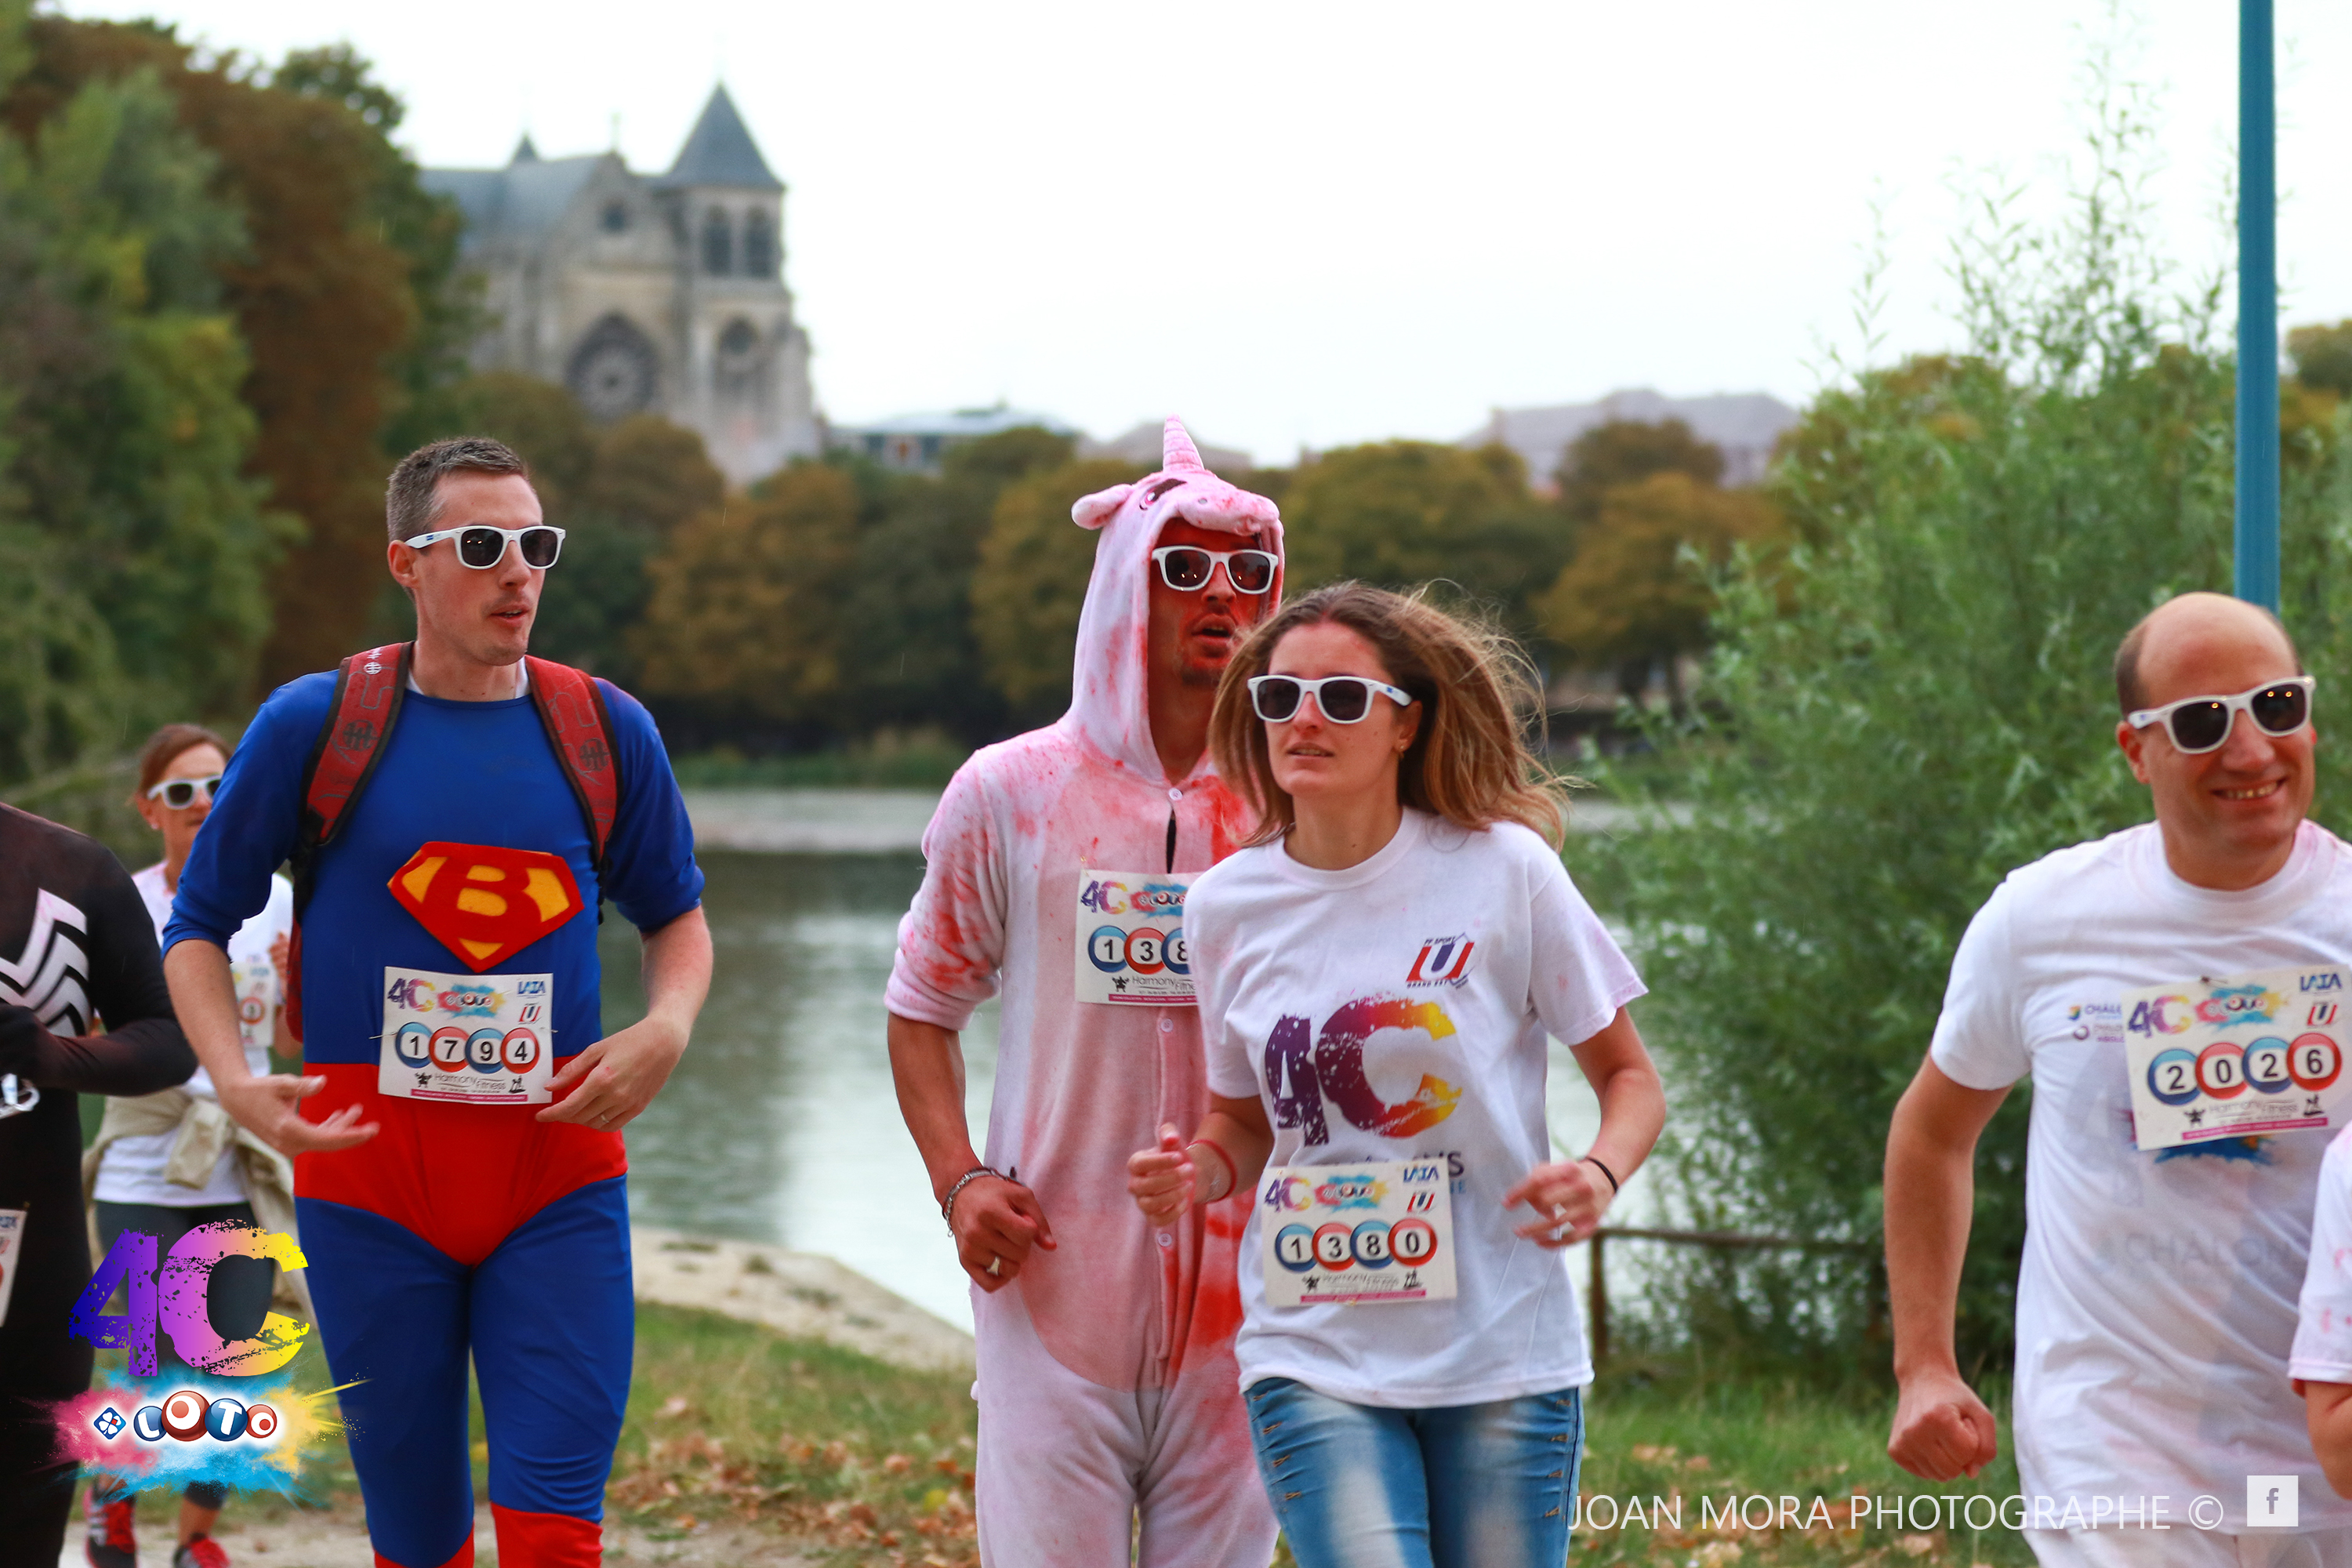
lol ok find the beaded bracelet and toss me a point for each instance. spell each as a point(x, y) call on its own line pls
point(947, 1205)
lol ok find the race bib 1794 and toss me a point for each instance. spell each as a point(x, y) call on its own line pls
point(2232, 1057)
point(1379, 1232)
point(1132, 948)
point(474, 1039)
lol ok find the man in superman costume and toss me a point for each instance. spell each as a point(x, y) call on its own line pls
point(453, 817)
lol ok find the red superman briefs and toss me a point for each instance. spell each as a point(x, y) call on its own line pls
point(461, 1235)
point(460, 1176)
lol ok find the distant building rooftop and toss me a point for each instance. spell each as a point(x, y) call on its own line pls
point(917, 441)
point(719, 151)
point(1746, 426)
point(1144, 446)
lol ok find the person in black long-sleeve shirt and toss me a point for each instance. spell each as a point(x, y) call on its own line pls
point(76, 945)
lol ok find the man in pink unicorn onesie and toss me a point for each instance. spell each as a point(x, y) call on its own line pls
point(1107, 1387)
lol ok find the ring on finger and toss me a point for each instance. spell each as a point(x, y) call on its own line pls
point(997, 1266)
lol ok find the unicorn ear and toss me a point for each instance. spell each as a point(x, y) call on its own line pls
point(1094, 510)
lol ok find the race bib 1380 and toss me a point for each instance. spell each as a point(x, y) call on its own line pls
point(1132, 948)
point(475, 1040)
point(1378, 1232)
point(2232, 1057)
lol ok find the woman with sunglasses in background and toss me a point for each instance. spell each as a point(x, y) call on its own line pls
point(167, 1162)
point(1379, 971)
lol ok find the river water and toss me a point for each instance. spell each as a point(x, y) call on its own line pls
point(781, 1124)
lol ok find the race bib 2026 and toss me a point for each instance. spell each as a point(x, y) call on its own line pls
point(2237, 1056)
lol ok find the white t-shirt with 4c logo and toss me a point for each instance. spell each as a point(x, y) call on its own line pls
point(2156, 1302)
point(1397, 1010)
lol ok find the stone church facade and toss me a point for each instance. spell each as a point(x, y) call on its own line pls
point(648, 293)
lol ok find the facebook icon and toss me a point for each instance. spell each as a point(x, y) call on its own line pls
point(2270, 1502)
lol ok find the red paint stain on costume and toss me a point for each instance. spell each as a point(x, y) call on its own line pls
point(1081, 1086)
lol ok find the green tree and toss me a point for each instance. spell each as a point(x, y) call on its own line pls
point(134, 551)
point(1635, 596)
point(1621, 451)
point(1911, 703)
point(541, 420)
point(1400, 513)
point(2323, 356)
point(745, 621)
point(1031, 584)
point(912, 657)
point(345, 295)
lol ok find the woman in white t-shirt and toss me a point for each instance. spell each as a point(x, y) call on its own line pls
point(138, 1184)
point(1378, 970)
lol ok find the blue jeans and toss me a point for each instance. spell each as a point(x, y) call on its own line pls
point(1460, 1486)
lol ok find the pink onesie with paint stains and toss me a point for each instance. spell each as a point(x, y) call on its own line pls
point(1107, 1374)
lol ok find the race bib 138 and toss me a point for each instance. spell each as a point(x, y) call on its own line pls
point(1130, 928)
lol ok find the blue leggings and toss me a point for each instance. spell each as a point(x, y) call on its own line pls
point(1460, 1486)
point(550, 1323)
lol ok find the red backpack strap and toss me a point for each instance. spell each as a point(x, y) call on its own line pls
point(572, 706)
point(368, 690)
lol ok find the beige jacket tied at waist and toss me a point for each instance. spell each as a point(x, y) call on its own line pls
point(204, 1130)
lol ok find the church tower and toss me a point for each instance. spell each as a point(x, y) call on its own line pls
point(663, 295)
point(746, 358)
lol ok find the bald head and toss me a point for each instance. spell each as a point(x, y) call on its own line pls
point(2172, 651)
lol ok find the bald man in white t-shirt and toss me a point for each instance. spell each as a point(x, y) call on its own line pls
point(2155, 1303)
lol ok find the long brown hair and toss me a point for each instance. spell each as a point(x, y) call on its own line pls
point(1470, 763)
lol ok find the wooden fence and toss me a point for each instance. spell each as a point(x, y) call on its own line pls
point(1597, 1291)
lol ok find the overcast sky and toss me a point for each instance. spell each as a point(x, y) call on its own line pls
point(1321, 223)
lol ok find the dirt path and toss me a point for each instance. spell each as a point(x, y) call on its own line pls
point(794, 1293)
point(333, 1539)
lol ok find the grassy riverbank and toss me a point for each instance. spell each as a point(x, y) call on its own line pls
point(731, 1427)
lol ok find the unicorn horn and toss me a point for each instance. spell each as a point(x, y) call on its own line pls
point(1177, 450)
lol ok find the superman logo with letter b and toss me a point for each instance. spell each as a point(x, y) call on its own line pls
point(484, 903)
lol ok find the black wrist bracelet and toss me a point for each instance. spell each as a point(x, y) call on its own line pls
point(1605, 1171)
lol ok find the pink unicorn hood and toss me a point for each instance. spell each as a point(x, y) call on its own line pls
point(1108, 700)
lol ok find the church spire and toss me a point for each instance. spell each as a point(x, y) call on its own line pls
point(719, 151)
point(524, 152)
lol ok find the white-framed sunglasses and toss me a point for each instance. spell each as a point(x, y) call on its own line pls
point(181, 794)
point(1187, 568)
point(482, 547)
point(2200, 724)
point(1342, 698)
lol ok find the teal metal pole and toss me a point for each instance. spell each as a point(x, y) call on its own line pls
point(2258, 348)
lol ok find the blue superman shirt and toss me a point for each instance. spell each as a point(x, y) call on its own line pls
point(459, 1232)
point(471, 773)
point(465, 773)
